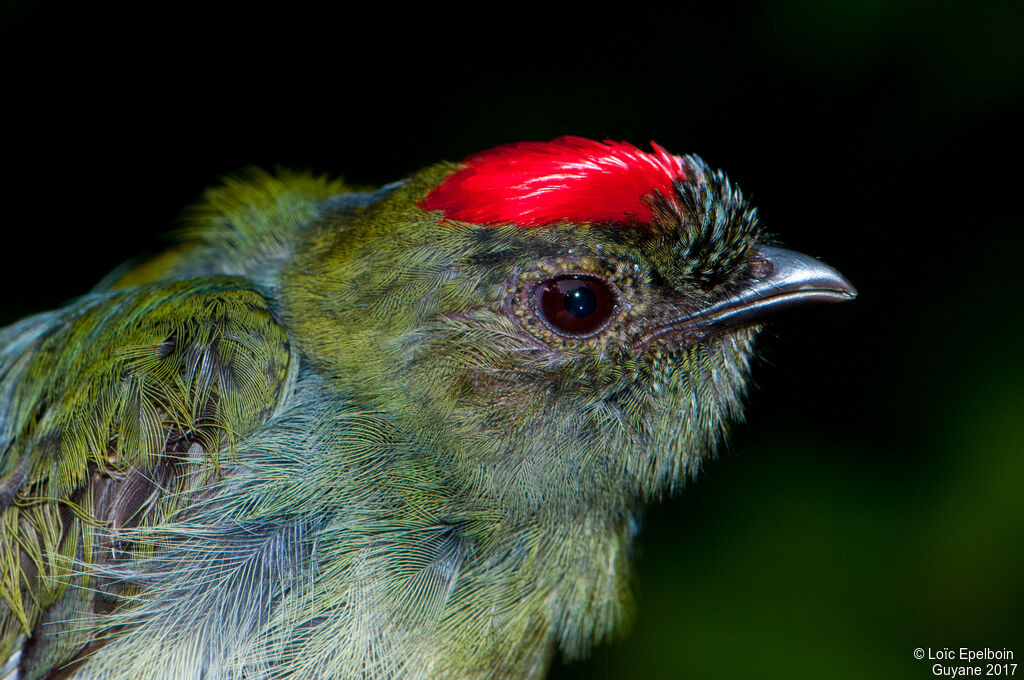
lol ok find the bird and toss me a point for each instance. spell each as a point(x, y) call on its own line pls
point(403, 432)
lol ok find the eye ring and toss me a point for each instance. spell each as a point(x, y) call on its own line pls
point(574, 305)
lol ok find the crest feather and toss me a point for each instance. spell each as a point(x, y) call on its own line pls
point(569, 179)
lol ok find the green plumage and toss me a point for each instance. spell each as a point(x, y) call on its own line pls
point(323, 437)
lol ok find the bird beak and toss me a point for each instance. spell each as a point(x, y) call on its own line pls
point(789, 279)
point(783, 279)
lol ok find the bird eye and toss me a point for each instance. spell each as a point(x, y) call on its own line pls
point(574, 305)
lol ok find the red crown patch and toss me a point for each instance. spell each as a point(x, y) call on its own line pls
point(569, 179)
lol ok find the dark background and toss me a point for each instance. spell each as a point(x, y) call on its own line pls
point(872, 502)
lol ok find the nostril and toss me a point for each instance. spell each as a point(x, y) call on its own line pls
point(760, 268)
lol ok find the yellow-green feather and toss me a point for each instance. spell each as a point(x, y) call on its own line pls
point(100, 391)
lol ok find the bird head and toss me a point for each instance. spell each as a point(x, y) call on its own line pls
point(560, 324)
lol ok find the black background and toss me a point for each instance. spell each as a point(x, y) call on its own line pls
point(871, 504)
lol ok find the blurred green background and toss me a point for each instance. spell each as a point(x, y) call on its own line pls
point(873, 501)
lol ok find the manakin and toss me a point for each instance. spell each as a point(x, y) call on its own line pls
point(405, 433)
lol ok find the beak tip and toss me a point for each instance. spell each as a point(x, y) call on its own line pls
point(845, 289)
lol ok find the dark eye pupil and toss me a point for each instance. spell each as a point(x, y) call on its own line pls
point(576, 306)
point(580, 302)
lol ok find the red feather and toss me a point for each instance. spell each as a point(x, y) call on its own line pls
point(569, 179)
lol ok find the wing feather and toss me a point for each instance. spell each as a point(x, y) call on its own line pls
point(111, 410)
